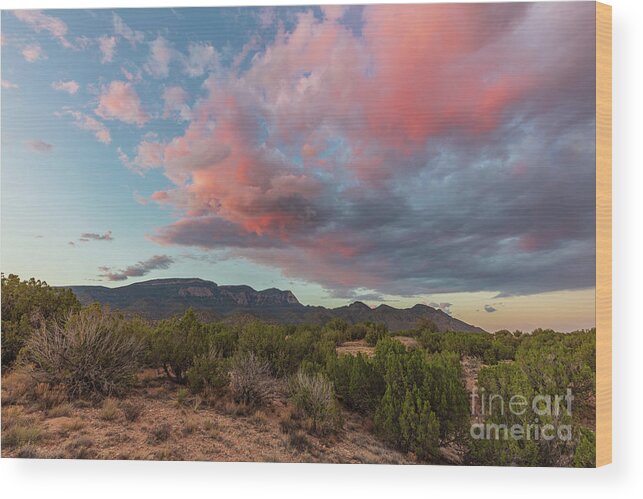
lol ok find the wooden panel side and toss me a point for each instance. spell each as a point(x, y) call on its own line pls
point(603, 234)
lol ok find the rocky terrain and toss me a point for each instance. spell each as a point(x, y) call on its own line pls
point(162, 298)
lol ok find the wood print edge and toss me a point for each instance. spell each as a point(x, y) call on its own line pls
point(603, 234)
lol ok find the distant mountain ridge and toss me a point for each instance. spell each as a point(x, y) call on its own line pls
point(162, 298)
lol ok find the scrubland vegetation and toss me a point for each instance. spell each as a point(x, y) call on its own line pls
point(183, 389)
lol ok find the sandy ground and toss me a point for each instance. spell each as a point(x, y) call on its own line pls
point(191, 430)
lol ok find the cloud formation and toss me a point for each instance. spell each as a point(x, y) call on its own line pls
point(6, 84)
point(107, 46)
point(137, 270)
point(119, 101)
point(71, 87)
point(33, 52)
point(464, 164)
point(42, 22)
point(490, 309)
point(40, 146)
point(123, 30)
point(85, 122)
point(93, 236)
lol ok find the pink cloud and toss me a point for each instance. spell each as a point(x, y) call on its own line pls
point(107, 46)
point(122, 29)
point(297, 158)
point(85, 122)
point(119, 101)
point(174, 99)
point(148, 155)
point(161, 55)
point(71, 87)
point(33, 52)
point(43, 22)
point(8, 84)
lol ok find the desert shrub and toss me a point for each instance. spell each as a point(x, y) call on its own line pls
point(251, 381)
point(48, 396)
point(109, 410)
point(88, 354)
point(20, 435)
point(223, 339)
point(132, 410)
point(283, 348)
point(585, 453)
point(160, 433)
point(209, 373)
point(297, 440)
point(374, 333)
point(546, 365)
point(190, 426)
point(424, 403)
point(358, 384)
point(182, 396)
point(176, 343)
point(18, 386)
point(61, 410)
point(314, 398)
point(25, 305)
point(80, 448)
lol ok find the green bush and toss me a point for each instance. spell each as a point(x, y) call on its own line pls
point(209, 373)
point(283, 348)
point(424, 402)
point(546, 364)
point(585, 453)
point(91, 353)
point(359, 385)
point(175, 344)
point(374, 333)
point(25, 306)
point(314, 399)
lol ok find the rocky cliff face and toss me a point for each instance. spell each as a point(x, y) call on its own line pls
point(162, 298)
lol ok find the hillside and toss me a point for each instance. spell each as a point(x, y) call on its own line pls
point(162, 298)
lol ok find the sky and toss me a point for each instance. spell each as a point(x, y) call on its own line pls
point(440, 154)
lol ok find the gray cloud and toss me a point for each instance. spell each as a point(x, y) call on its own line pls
point(93, 236)
point(507, 208)
point(137, 270)
point(489, 308)
point(40, 146)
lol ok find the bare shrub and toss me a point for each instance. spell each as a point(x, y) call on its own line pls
point(251, 381)
point(314, 398)
point(48, 396)
point(132, 411)
point(160, 433)
point(80, 448)
point(91, 353)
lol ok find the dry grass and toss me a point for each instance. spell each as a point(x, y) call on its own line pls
point(17, 386)
point(62, 410)
point(132, 411)
point(109, 410)
point(223, 431)
point(355, 347)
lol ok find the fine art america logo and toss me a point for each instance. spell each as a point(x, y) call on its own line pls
point(538, 417)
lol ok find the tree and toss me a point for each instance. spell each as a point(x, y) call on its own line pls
point(26, 305)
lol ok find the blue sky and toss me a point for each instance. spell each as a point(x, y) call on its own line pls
point(308, 149)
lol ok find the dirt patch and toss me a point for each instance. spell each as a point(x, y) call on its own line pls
point(407, 341)
point(194, 431)
point(355, 347)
